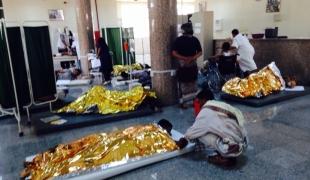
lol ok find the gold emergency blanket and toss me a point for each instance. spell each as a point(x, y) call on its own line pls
point(107, 101)
point(118, 69)
point(98, 149)
point(268, 80)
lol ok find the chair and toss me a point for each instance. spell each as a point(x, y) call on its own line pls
point(227, 66)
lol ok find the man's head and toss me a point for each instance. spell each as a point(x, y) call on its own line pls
point(124, 75)
point(225, 46)
point(204, 96)
point(187, 29)
point(234, 32)
point(67, 31)
point(165, 124)
point(76, 72)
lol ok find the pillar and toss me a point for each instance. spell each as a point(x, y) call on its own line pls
point(163, 32)
point(85, 31)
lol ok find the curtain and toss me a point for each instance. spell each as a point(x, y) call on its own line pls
point(114, 43)
point(40, 60)
point(19, 65)
point(7, 96)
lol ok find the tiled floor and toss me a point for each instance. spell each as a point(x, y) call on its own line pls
point(279, 146)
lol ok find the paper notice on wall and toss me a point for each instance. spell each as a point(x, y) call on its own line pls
point(197, 24)
point(197, 30)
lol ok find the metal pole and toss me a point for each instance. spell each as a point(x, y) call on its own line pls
point(27, 68)
point(17, 114)
point(121, 37)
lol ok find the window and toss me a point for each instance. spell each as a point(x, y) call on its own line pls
point(1, 10)
point(185, 9)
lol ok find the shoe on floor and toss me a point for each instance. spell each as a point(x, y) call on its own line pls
point(222, 161)
point(182, 106)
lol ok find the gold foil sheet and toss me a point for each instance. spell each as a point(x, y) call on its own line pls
point(98, 149)
point(257, 84)
point(118, 69)
point(107, 101)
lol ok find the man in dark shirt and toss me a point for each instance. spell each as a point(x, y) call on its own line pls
point(187, 49)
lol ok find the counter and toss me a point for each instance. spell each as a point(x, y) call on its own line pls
point(292, 56)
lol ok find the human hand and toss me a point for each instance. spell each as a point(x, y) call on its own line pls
point(188, 60)
point(182, 142)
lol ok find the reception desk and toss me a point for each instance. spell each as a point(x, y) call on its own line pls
point(292, 56)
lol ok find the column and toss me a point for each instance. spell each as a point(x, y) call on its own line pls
point(85, 31)
point(163, 32)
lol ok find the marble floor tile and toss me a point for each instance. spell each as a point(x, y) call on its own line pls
point(281, 157)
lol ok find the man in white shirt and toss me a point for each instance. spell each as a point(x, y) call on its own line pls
point(218, 128)
point(246, 52)
point(64, 45)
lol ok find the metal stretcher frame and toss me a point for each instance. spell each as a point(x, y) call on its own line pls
point(26, 58)
point(101, 173)
point(14, 110)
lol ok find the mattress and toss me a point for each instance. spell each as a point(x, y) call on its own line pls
point(271, 98)
point(104, 171)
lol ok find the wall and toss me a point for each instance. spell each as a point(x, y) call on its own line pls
point(107, 12)
point(35, 10)
point(251, 15)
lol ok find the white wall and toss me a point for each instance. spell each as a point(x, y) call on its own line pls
point(251, 15)
point(32, 10)
point(107, 12)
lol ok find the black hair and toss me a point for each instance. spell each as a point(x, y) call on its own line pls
point(188, 28)
point(205, 94)
point(124, 75)
point(101, 40)
point(165, 123)
point(235, 31)
point(226, 46)
point(79, 71)
point(75, 75)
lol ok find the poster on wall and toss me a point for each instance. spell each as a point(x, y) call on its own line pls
point(202, 6)
point(273, 6)
point(56, 15)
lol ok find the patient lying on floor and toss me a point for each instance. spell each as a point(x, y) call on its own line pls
point(63, 74)
point(68, 74)
point(267, 81)
point(102, 148)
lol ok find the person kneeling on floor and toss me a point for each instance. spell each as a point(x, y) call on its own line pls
point(218, 128)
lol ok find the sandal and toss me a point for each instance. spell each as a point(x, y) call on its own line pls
point(181, 106)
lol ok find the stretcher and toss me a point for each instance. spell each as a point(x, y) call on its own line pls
point(271, 98)
point(113, 169)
